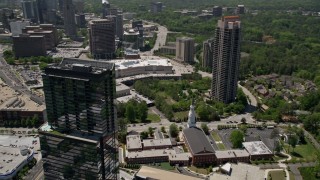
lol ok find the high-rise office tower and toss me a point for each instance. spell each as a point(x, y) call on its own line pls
point(30, 10)
point(47, 11)
point(116, 15)
point(185, 49)
point(156, 7)
point(226, 59)
point(78, 142)
point(102, 38)
point(207, 54)
point(217, 11)
point(69, 18)
point(240, 9)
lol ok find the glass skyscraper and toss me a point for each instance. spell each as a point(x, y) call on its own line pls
point(78, 142)
point(226, 59)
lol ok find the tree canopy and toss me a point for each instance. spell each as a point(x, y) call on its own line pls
point(236, 138)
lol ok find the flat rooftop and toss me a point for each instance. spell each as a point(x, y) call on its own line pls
point(241, 171)
point(125, 64)
point(240, 153)
point(10, 159)
point(159, 174)
point(81, 65)
point(157, 142)
point(256, 148)
point(225, 154)
point(121, 87)
point(150, 153)
point(179, 157)
point(12, 100)
point(134, 142)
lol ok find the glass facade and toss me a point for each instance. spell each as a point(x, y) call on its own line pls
point(80, 110)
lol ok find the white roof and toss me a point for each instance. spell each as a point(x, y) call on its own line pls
point(157, 142)
point(125, 64)
point(226, 168)
point(133, 142)
point(256, 148)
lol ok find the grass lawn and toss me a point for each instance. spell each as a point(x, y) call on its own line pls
point(276, 175)
point(198, 170)
point(215, 136)
point(153, 117)
point(181, 115)
point(303, 151)
point(308, 173)
point(166, 166)
point(291, 176)
point(221, 146)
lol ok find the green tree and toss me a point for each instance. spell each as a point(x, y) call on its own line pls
point(243, 120)
point(292, 141)
point(130, 113)
point(144, 135)
point(236, 138)
point(150, 131)
point(142, 111)
point(163, 129)
point(205, 128)
point(173, 129)
point(312, 123)
point(244, 128)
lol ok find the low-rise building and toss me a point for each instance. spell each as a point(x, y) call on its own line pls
point(126, 68)
point(242, 155)
point(12, 160)
point(201, 150)
point(134, 143)
point(225, 156)
point(169, 48)
point(157, 143)
point(146, 173)
point(15, 106)
point(147, 156)
point(122, 90)
point(257, 150)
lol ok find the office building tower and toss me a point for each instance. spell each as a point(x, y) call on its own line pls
point(26, 45)
point(156, 7)
point(60, 5)
point(47, 11)
point(49, 32)
point(17, 26)
point(217, 11)
point(207, 54)
point(78, 141)
point(102, 38)
point(116, 15)
point(240, 9)
point(81, 20)
point(30, 10)
point(226, 59)
point(185, 49)
point(69, 19)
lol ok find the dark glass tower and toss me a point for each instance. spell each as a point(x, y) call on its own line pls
point(79, 140)
point(69, 19)
point(226, 59)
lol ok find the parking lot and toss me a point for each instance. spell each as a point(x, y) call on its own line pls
point(252, 134)
point(19, 140)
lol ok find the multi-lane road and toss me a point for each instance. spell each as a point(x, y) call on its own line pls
point(10, 77)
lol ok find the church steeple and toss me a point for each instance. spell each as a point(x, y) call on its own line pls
point(192, 116)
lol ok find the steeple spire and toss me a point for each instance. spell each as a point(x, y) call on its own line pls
point(192, 116)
